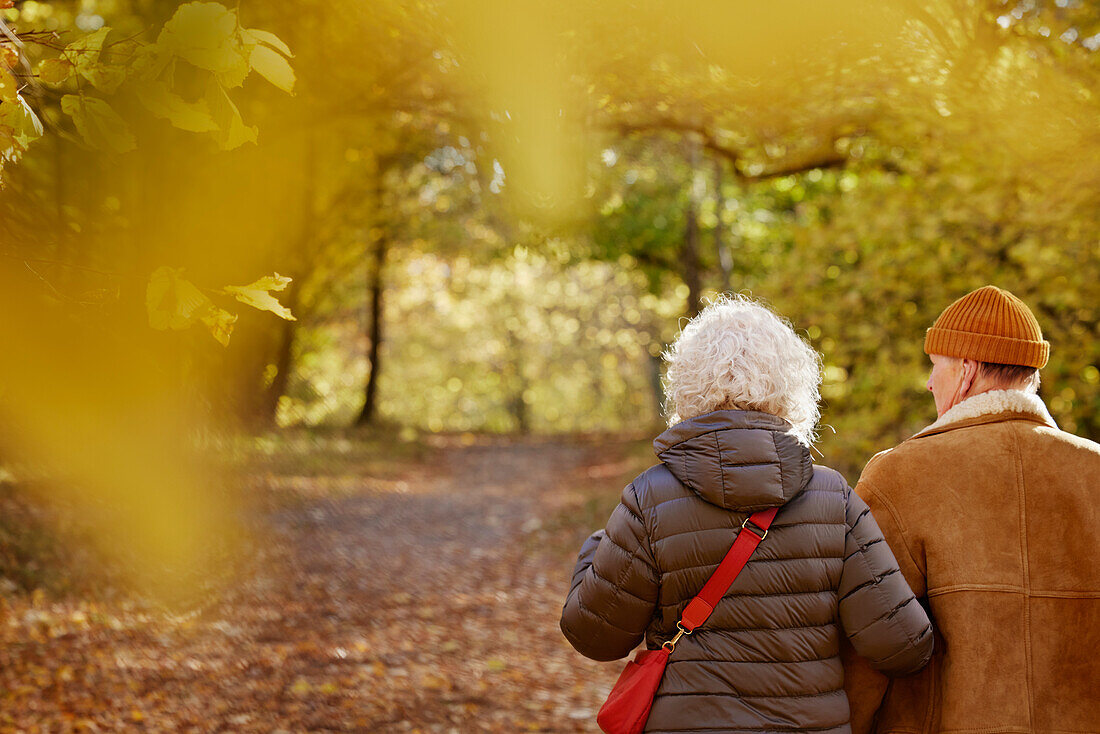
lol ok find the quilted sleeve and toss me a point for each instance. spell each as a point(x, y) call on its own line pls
point(613, 595)
point(878, 610)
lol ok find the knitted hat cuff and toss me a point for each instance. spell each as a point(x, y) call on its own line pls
point(986, 347)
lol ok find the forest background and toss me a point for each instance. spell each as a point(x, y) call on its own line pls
point(460, 220)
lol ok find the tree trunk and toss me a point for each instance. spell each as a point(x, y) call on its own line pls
point(689, 253)
point(374, 328)
point(284, 358)
point(302, 255)
point(721, 244)
point(517, 405)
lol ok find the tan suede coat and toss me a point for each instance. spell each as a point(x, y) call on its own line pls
point(994, 516)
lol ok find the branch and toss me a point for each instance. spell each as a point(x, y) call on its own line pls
point(829, 158)
point(647, 258)
point(27, 260)
point(15, 41)
point(670, 125)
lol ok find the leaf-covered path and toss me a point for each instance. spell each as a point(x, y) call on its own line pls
point(427, 602)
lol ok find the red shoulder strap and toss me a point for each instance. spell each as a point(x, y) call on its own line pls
point(736, 557)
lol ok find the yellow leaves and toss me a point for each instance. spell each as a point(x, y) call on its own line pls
point(55, 71)
point(235, 75)
point(19, 126)
point(434, 682)
point(273, 67)
point(166, 104)
point(86, 58)
point(9, 87)
point(302, 687)
point(231, 131)
point(172, 302)
point(149, 62)
point(220, 323)
point(257, 295)
point(99, 125)
point(265, 58)
point(205, 35)
point(208, 36)
point(9, 57)
point(257, 36)
point(18, 115)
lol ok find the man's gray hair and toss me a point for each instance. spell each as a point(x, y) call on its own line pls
point(1011, 375)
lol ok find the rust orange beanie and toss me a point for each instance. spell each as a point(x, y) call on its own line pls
point(989, 325)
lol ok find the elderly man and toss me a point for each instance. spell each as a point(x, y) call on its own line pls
point(994, 516)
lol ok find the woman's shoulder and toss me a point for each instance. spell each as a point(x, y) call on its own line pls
point(828, 480)
point(824, 499)
point(657, 485)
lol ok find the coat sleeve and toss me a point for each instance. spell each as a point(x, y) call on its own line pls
point(613, 595)
point(878, 610)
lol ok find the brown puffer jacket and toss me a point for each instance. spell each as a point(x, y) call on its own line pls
point(767, 658)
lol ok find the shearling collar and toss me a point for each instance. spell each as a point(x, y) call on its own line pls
point(994, 402)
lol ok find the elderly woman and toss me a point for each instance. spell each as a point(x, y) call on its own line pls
point(743, 392)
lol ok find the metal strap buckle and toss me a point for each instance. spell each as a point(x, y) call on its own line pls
point(670, 645)
point(743, 524)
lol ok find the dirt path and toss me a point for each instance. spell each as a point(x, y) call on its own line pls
point(427, 603)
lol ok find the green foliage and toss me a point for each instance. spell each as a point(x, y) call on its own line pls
point(524, 343)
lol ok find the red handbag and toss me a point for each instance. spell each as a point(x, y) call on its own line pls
point(627, 706)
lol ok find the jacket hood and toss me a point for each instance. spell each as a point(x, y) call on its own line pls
point(737, 459)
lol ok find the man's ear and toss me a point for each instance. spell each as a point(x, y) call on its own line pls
point(969, 375)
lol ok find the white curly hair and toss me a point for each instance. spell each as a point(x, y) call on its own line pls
point(739, 354)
